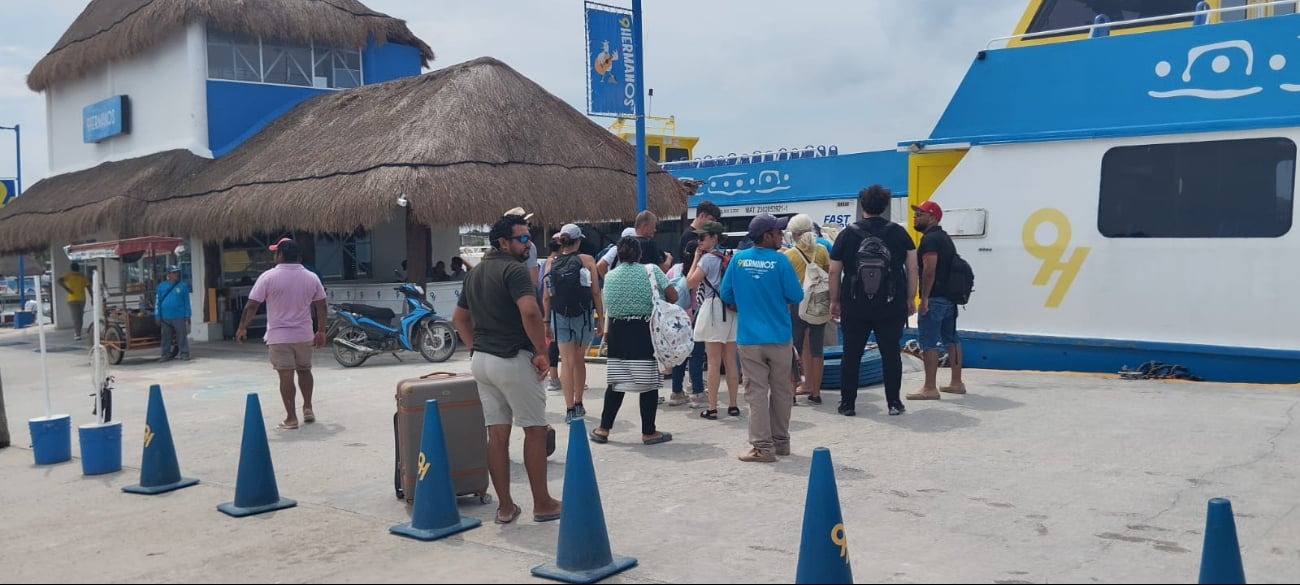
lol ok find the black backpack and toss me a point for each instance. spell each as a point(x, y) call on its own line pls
point(568, 295)
point(961, 280)
point(875, 268)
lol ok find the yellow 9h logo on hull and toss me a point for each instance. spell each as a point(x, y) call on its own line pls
point(1053, 254)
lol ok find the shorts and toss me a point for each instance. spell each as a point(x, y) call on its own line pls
point(816, 334)
point(580, 329)
point(290, 356)
point(714, 323)
point(509, 389)
point(938, 326)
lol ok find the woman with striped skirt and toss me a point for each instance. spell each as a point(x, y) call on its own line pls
point(630, 363)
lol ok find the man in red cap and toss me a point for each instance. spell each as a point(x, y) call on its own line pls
point(937, 314)
point(290, 292)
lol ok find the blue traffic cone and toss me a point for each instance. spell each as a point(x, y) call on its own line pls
point(159, 471)
point(583, 554)
point(435, 515)
point(1221, 555)
point(824, 548)
point(255, 490)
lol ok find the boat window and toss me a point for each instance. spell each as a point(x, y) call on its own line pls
point(1220, 189)
point(1060, 14)
point(676, 154)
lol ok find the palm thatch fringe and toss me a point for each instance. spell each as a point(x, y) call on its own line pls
point(112, 30)
point(463, 144)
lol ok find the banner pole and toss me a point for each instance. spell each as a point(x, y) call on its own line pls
point(639, 72)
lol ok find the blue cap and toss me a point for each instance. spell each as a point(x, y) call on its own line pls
point(173, 268)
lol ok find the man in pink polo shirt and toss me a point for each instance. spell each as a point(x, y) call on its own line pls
point(290, 292)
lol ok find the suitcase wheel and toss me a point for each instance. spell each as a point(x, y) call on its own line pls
point(485, 498)
point(400, 494)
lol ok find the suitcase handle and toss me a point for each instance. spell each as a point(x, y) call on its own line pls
point(432, 374)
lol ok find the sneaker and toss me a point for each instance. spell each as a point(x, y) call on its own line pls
point(896, 409)
point(783, 450)
point(756, 456)
point(958, 389)
point(165, 358)
point(699, 401)
point(76, 338)
point(677, 399)
point(661, 400)
point(579, 409)
point(184, 356)
point(553, 386)
point(815, 399)
point(847, 410)
point(569, 415)
point(923, 395)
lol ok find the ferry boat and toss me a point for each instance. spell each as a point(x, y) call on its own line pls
point(1123, 184)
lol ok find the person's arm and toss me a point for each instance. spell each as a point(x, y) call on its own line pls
point(185, 294)
point(791, 288)
point(250, 309)
point(911, 282)
point(546, 301)
point(928, 268)
point(322, 318)
point(62, 283)
point(695, 276)
point(602, 268)
point(837, 269)
point(597, 299)
point(670, 292)
point(464, 325)
point(667, 263)
point(530, 313)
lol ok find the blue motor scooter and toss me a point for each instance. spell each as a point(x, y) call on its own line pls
point(360, 331)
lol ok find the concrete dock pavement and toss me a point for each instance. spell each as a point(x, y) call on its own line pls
point(1029, 478)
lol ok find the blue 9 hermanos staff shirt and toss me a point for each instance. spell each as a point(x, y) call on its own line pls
point(762, 284)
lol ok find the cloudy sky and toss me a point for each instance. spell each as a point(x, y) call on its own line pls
point(743, 76)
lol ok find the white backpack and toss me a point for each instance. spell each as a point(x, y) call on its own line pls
point(815, 308)
point(670, 328)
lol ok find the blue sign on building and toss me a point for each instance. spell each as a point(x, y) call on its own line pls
point(8, 190)
point(106, 119)
point(612, 85)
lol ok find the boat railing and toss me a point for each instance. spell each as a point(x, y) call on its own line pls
point(1102, 26)
point(756, 157)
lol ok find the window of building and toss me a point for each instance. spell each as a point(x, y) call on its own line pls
point(344, 257)
point(240, 58)
point(1220, 189)
point(1060, 14)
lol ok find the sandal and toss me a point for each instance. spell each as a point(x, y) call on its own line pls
point(733, 410)
point(308, 415)
point(709, 414)
point(662, 438)
point(286, 426)
point(513, 515)
point(599, 438)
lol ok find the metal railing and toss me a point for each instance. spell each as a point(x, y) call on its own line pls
point(1195, 15)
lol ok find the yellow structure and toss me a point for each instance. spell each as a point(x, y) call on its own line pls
point(661, 139)
point(1047, 15)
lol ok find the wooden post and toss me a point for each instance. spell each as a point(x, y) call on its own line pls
point(417, 249)
point(211, 276)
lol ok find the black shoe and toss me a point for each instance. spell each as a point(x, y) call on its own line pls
point(815, 399)
point(897, 409)
point(847, 410)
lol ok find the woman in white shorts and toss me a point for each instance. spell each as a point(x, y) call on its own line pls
point(715, 322)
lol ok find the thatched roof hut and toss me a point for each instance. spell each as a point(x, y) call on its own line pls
point(463, 144)
point(112, 30)
point(31, 266)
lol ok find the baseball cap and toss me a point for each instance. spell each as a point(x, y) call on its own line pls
point(573, 231)
point(628, 233)
point(711, 227)
point(931, 208)
point(276, 246)
point(173, 268)
point(765, 222)
point(520, 212)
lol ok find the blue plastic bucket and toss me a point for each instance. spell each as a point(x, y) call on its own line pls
point(101, 448)
point(51, 438)
point(23, 319)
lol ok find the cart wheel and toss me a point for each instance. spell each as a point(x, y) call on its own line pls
point(114, 344)
point(485, 498)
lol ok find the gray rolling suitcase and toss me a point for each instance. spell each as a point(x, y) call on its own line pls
point(462, 426)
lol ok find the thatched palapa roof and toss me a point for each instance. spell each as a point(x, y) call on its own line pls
point(463, 144)
point(112, 30)
point(31, 266)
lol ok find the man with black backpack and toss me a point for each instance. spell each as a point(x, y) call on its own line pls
point(572, 292)
point(940, 293)
point(873, 287)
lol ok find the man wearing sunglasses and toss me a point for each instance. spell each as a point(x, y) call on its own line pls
point(497, 315)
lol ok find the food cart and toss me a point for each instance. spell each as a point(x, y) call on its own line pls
point(128, 314)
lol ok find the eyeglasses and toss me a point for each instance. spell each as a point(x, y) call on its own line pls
point(524, 239)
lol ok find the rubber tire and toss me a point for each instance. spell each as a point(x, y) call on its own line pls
point(428, 336)
point(115, 335)
point(354, 335)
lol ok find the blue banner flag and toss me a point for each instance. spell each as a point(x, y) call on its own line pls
point(612, 85)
